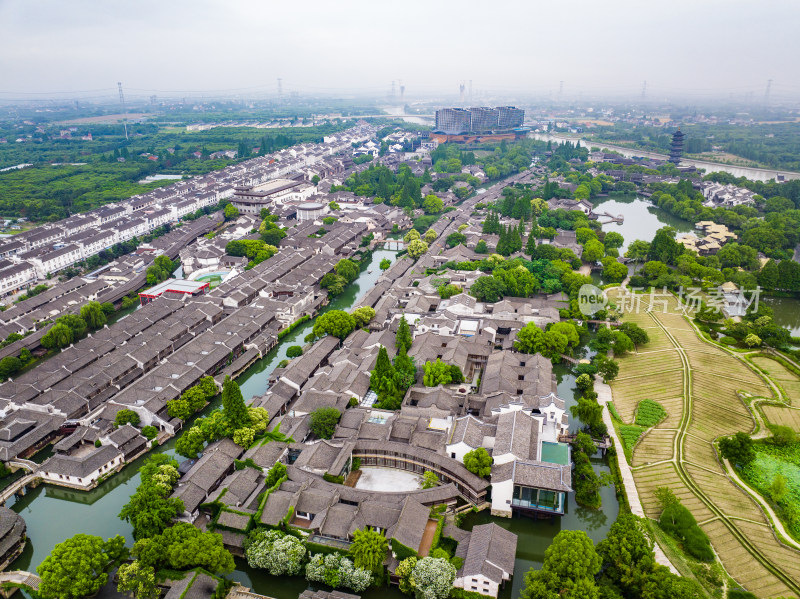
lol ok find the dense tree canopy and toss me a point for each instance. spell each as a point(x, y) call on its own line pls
point(79, 566)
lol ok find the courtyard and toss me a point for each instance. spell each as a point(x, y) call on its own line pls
point(388, 480)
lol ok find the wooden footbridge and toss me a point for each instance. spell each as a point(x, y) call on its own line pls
point(602, 444)
point(619, 218)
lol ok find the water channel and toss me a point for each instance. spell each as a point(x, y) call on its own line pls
point(54, 514)
point(754, 174)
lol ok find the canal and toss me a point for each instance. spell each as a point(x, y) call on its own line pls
point(752, 173)
point(54, 514)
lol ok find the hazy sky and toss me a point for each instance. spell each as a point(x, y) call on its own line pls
point(696, 47)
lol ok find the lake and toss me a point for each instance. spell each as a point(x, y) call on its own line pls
point(642, 219)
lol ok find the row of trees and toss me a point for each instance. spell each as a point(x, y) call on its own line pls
point(623, 565)
point(235, 421)
point(193, 399)
point(72, 327)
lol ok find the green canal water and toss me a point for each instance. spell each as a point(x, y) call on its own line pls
point(53, 514)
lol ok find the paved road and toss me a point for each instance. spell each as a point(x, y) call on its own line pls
point(603, 397)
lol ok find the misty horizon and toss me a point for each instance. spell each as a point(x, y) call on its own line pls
point(713, 51)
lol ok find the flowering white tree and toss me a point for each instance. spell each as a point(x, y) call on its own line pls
point(336, 571)
point(278, 553)
point(433, 578)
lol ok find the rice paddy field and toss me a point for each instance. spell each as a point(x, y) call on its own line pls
point(698, 385)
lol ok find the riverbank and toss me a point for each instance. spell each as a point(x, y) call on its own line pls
point(56, 513)
point(755, 174)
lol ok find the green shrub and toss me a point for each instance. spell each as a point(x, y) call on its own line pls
point(630, 434)
point(401, 551)
point(649, 413)
point(729, 340)
point(677, 521)
point(339, 480)
point(150, 432)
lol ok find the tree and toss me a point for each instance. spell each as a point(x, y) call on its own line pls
point(432, 205)
point(627, 554)
point(752, 340)
point(589, 412)
point(93, 315)
point(455, 239)
point(429, 480)
point(593, 251)
point(449, 290)
point(230, 212)
point(368, 549)
point(9, 365)
point(181, 547)
point(481, 247)
point(294, 351)
point(138, 580)
point(635, 333)
point(403, 337)
point(584, 382)
point(404, 571)
point(429, 237)
point(479, 462)
point(437, 373)
point(336, 323)
point(347, 269)
point(124, 417)
point(323, 422)
point(412, 235)
point(664, 248)
point(568, 330)
point(613, 271)
point(433, 578)
point(150, 509)
point(274, 474)
point(276, 552)
point(233, 405)
point(738, 449)
point(613, 240)
point(59, 336)
point(78, 566)
point(488, 289)
point(570, 565)
point(385, 264)
point(416, 248)
point(363, 316)
point(334, 283)
point(638, 250)
point(336, 571)
point(608, 369)
point(782, 435)
point(243, 437)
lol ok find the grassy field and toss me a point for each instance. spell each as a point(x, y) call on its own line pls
point(699, 385)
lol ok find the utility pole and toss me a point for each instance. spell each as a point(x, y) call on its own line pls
point(124, 111)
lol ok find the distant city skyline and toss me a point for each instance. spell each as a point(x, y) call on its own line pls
point(708, 50)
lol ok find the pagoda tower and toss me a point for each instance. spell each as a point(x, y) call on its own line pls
point(676, 147)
